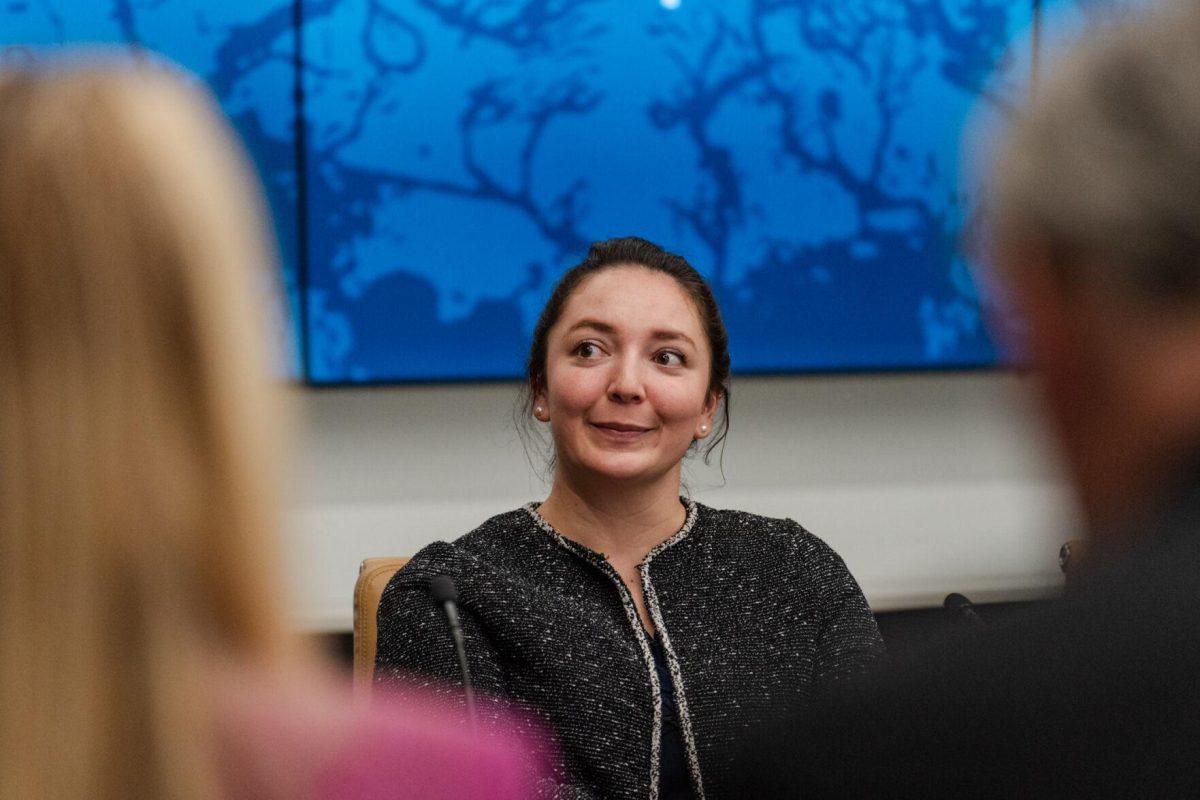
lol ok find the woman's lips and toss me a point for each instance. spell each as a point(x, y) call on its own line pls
point(619, 432)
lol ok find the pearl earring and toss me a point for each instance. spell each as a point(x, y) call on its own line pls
point(703, 428)
point(538, 411)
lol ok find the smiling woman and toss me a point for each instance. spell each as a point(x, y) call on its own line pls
point(665, 278)
point(647, 631)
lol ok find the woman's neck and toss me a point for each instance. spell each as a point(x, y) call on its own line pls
point(623, 522)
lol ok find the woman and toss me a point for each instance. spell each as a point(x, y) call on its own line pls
point(145, 650)
point(649, 631)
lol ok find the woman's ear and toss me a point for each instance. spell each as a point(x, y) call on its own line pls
point(704, 426)
point(711, 403)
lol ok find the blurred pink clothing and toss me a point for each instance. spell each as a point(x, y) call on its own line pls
point(316, 744)
point(398, 752)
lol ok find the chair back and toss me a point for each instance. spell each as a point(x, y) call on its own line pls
point(373, 576)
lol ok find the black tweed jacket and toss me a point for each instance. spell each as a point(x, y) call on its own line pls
point(753, 613)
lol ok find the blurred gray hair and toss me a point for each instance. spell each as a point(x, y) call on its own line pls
point(1104, 166)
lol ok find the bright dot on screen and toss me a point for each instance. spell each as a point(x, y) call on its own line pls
point(670, 5)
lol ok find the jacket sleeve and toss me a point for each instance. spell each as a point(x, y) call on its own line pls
point(849, 644)
point(415, 652)
point(414, 648)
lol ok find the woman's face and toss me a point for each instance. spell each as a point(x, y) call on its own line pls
point(627, 371)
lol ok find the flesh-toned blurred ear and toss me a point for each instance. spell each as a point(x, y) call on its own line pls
point(1066, 341)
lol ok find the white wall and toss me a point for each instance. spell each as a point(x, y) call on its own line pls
point(926, 484)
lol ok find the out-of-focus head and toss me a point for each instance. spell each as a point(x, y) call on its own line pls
point(1096, 228)
point(137, 424)
point(629, 362)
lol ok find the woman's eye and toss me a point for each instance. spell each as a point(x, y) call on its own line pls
point(587, 350)
point(669, 358)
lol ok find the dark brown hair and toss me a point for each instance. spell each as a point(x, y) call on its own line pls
point(626, 251)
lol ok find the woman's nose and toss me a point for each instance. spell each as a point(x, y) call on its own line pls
point(626, 385)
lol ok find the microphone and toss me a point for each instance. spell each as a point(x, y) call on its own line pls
point(444, 592)
point(957, 602)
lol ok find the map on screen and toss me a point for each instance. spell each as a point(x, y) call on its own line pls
point(817, 160)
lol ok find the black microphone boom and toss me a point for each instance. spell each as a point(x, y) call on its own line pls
point(444, 592)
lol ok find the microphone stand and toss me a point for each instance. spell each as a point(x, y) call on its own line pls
point(443, 591)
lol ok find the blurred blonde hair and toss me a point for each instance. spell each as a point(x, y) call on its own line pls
point(138, 440)
point(1103, 168)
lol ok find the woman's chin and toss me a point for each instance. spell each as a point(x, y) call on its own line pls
point(624, 467)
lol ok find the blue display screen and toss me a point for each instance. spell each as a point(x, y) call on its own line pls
point(457, 157)
point(803, 156)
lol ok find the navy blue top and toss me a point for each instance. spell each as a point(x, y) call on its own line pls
point(673, 782)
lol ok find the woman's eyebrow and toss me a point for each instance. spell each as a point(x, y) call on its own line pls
point(658, 335)
point(665, 335)
point(594, 324)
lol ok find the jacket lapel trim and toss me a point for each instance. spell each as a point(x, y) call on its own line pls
point(631, 614)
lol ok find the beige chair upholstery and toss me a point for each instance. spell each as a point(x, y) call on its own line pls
point(373, 576)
